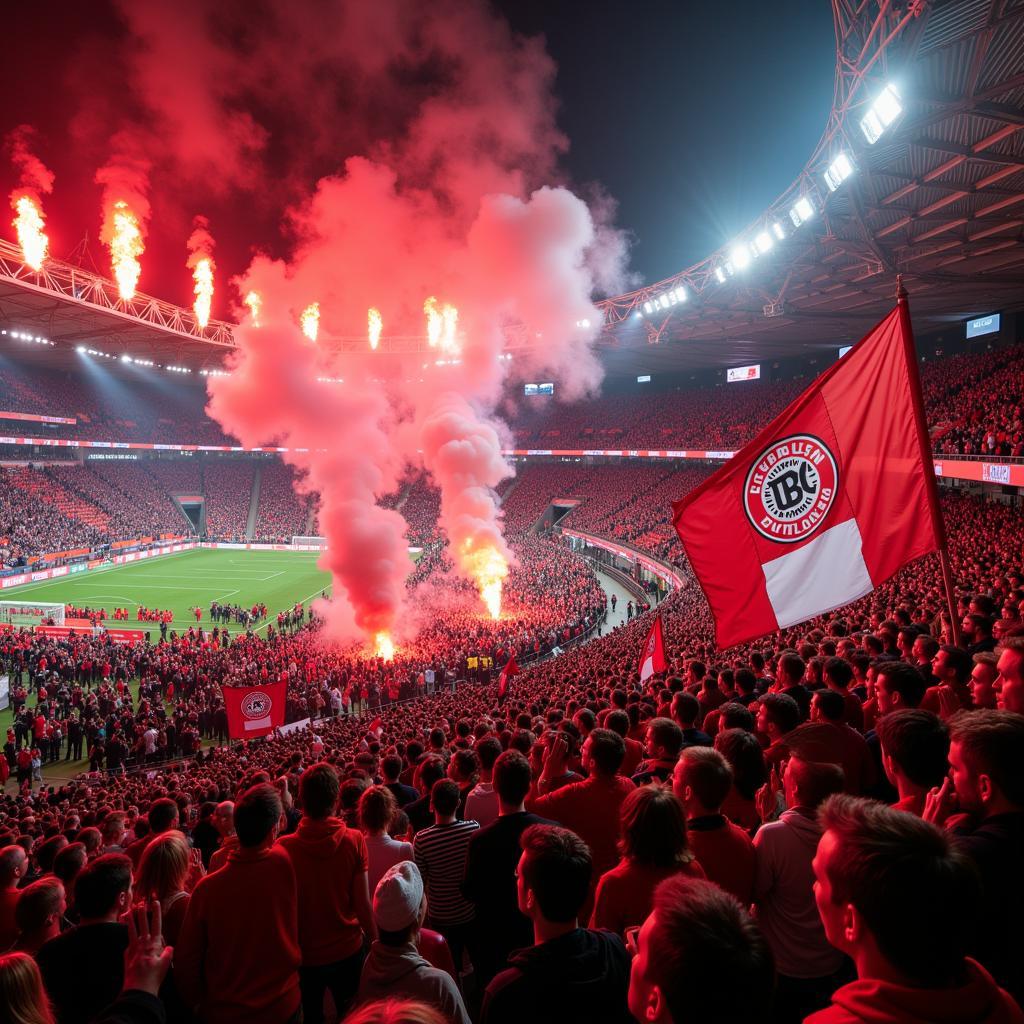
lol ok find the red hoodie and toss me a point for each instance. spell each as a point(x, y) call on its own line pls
point(328, 859)
point(237, 956)
point(978, 1001)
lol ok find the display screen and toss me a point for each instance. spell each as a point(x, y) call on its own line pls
point(539, 389)
point(983, 325)
point(743, 373)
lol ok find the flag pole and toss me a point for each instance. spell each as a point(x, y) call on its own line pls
point(938, 524)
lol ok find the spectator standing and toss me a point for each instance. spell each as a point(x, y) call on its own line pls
point(377, 810)
point(333, 896)
point(569, 973)
point(83, 968)
point(238, 955)
point(482, 802)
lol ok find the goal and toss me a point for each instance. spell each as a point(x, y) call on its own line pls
point(31, 613)
point(313, 543)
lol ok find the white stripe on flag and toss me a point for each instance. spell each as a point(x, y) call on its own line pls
point(824, 574)
point(257, 723)
point(647, 669)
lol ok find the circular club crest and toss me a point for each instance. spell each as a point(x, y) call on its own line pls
point(256, 705)
point(790, 488)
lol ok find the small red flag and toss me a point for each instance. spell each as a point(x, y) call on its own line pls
point(376, 725)
point(511, 669)
point(254, 711)
point(652, 657)
point(826, 503)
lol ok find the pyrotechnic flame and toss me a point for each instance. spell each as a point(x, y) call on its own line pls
point(203, 277)
point(488, 569)
point(434, 323)
point(449, 338)
point(385, 647)
point(374, 326)
point(31, 237)
point(254, 301)
point(125, 249)
point(310, 320)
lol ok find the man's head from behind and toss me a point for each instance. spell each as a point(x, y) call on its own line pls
point(103, 889)
point(318, 791)
point(163, 815)
point(986, 757)
point(553, 874)
point(512, 778)
point(699, 957)
point(257, 815)
point(701, 781)
point(891, 886)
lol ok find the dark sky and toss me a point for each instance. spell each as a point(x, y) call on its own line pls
point(692, 117)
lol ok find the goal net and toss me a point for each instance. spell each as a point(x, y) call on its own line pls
point(31, 613)
point(317, 543)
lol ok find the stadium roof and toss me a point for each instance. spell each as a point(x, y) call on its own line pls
point(937, 197)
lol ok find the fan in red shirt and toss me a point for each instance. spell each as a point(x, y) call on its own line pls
point(897, 897)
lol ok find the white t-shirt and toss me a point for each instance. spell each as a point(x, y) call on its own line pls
point(383, 852)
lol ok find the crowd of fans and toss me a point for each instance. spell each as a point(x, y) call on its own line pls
point(825, 825)
point(228, 492)
point(282, 513)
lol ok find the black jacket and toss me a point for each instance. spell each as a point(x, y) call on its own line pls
point(582, 976)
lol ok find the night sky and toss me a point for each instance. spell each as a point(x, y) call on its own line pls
point(692, 118)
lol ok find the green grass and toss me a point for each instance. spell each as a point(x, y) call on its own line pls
point(179, 582)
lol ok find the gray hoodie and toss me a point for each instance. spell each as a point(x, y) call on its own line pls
point(400, 972)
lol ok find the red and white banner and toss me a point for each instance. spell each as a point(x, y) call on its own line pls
point(254, 711)
point(511, 669)
point(825, 504)
point(652, 657)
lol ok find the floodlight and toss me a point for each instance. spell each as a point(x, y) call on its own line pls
point(763, 243)
point(648, 308)
point(740, 257)
point(681, 294)
point(883, 112)
point(780, 234)
point(720, 275)
point(839, 170)
point(802, 209)
point(80, 349)
point(126, 358)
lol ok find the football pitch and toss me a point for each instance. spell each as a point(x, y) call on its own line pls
point(180, 582)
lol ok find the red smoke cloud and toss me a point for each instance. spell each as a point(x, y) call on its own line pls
point(35, 179)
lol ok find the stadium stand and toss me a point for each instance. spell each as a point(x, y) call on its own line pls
point(228, 491)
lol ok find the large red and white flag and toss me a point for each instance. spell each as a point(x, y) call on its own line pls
point(652, 657)
point(254, 711)
point(826, 503)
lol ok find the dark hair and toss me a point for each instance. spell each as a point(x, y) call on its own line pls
point(735, 716)
point(707, 955)
point(467, 764)
point(318, 790)
point(163, 814)
point(782, 710)
point(617, 721)
point(917, 893)
point(653, 828)
point(839, 671)
point(792, 666)
point(100, 883)
point(708, 774)
point(667, 734)
point(557, 869)
point(746, 681)
point(391, 766)
point(814, 781)
point(686, 707)
point(46, 852)
point(993, 743)
point(958, 659)
point(831, 704)
point(430, 769)
point(444, 797)
point(69, 862)
point(903, 679)
point(918, 742)
point(608, 749)
point(488, 748)
point(744, 754)
point(512, 777)
point(257, 811)
point(36, 902)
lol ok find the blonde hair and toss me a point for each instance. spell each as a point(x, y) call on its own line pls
point(164, 866)
point(22, 996)
point(395, 1011)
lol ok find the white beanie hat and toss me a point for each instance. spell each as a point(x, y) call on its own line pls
point(396, 903)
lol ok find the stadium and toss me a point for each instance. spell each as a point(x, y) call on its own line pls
point(426, 613)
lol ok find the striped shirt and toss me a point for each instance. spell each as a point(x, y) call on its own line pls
point(440, 854)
